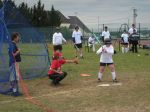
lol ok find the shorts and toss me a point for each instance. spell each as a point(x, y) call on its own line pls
point(57, 47)
point(14, 72)
point(130, 41)
point(78, 45)
point(105, 64)
point(124, 43)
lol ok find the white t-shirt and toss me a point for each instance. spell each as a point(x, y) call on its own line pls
point(106, 34)
point(131, 30)
point(58, 39)
point(106, 57)
point(77, 35)
point(125, 37)
point(91, 40)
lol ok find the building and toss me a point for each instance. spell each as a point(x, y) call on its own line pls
point(72, 21)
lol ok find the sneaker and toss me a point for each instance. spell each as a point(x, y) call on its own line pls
point(99, 80)
point(115, 80)
point(81, 57)
point(10, 90)
point(55, 82)
point(16, 94)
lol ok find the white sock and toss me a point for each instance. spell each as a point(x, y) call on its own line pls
point(122, 49)
point(113, 75)
point(93, 48)
point(100, 75)
point(81, 55)
point(126, 50)
point(14, 90)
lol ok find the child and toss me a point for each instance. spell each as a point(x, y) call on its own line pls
point(106, 52)
point(58, 40)
point(55, 73)
point(77, 39)
point(124, 38)
point(14, 59)
point(91, 43)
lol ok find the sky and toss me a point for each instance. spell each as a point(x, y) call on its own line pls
point(94, 13)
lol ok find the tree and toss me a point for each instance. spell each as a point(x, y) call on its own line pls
point(37, 15)
point(55, 19)
point(25, 10)
point(1, 4)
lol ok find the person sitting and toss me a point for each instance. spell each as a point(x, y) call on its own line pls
point(91, 43)
point(55, 72)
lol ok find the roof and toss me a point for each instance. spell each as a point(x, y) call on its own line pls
point(74, 20)
point(63, 18)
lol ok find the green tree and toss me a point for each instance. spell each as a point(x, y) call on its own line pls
point(39, 15)
point(55, 19)
point(25, 10)
point(1, 4)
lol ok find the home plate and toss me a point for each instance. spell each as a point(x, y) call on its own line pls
point(103, 85)
point(116, 84)
point(85, 75)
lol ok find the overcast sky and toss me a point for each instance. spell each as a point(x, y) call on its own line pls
point(108, 11)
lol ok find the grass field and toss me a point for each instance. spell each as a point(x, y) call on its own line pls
point(82, 94)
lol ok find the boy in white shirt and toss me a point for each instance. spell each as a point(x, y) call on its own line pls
point(106, 52)
point(77, 40)
point(131, 29)
point(105, 34)
point(58, 40)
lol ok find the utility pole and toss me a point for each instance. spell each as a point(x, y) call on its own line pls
point(76, 18)
point(134, 16)
point(103, 27)
point(128, 23)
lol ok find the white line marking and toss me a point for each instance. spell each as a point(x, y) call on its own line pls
point(106, 85)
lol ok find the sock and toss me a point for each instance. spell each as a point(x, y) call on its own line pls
point(81, 55)
point(126, 50)
point(100, 75)
point(122, 49)
point(93, 48)
point(14, 90)
point(113, 75)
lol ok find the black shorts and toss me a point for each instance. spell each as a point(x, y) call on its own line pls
point(78, 45)
point(57, 47)
point(124, 43)
point(105, 64)
point(130, 41)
